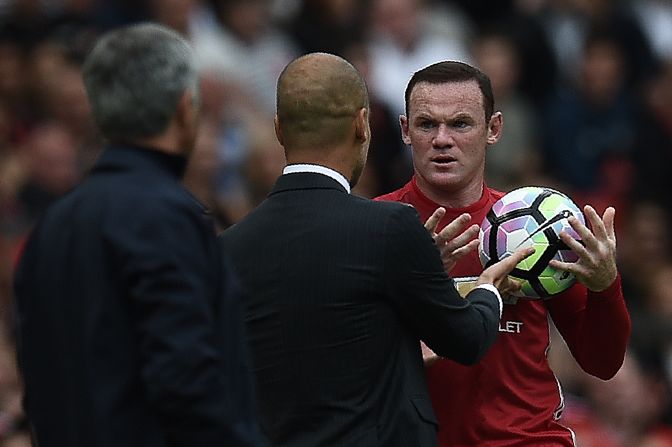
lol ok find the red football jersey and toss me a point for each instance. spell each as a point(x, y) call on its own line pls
point(511, 397)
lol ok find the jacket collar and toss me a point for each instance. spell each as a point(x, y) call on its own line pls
point(129, 157)
point(305, 180)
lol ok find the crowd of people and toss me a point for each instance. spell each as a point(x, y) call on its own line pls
point(584, 87)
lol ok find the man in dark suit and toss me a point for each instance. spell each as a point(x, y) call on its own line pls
point(338, 290)
point(128, 333)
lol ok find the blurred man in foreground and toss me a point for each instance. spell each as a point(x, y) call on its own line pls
point(128, 334)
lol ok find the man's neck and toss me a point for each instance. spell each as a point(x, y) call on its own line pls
point(461, 197)
point(166, 143)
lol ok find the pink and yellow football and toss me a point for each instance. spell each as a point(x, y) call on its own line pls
point(531, 216)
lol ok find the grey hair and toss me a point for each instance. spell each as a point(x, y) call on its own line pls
point(135, 77)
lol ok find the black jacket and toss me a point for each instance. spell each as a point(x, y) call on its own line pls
point(128, 333)
point(338, 291)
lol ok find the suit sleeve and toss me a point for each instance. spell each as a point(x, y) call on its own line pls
point(595, 325)
point(171, 283)
point(426, 298)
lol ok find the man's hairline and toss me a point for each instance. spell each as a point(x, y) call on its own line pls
point(410, 94)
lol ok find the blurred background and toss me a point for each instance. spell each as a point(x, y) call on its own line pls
point(585, 87)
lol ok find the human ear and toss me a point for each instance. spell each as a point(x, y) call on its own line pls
point(362, 125)
point(186, 120)
point(403, 123)
point(495, 127)
point(184, 112)
point(278, 130)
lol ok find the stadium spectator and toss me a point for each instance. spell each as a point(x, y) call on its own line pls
point(569, 23)
point(388, 165)
point(589, 128)
point(515, 160)
point(655, 20)
point(653, 142)
point(626, 411)
point(51, 169)
point(646, 244)
point(263, 165)
point(401, 42)
point(244, 47)
point(181, 15)
point(328, 25)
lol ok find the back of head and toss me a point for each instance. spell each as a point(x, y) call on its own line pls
point(318, 97)
point(134, 77)
point(452, 71)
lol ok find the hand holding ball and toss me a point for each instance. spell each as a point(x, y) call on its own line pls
point(526, 217)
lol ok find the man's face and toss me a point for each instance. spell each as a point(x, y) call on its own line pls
point(447, 130)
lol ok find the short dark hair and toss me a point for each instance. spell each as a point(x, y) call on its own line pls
point(452, 71)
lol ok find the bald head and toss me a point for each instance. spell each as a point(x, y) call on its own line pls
point(319, 96)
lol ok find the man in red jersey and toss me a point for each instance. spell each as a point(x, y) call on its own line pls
point(511, 397)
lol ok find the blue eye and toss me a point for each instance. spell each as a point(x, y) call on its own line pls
point(426, 124)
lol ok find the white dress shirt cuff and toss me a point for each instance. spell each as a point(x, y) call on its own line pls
point(494, 290)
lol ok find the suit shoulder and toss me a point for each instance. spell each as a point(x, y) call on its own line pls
point(394, 217)
point(147, 194)
point(121, 203)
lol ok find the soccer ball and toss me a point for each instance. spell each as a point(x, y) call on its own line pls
point(531, 216)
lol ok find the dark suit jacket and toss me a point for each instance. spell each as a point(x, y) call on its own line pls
point(128, 334)
point(338, 291)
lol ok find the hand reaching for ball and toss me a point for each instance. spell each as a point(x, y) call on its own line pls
point(453, 241)
point(497, 273)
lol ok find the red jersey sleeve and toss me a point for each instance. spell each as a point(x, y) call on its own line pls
point(595, 325)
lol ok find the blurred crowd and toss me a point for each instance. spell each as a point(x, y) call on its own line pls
point(585, 87)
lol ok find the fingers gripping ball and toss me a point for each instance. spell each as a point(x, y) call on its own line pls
point(531, 216)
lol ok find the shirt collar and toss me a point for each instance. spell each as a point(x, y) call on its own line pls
point(318, 169)
point(430, 204)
